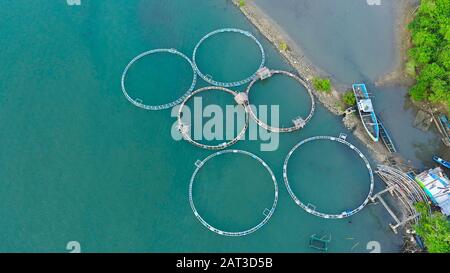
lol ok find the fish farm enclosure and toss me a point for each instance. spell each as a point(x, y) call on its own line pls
point(150, 126)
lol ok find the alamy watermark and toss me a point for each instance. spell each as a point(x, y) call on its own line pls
point(374, 247)
point(74, 2)
point(373, 2)
point(73, 247)
point(216, 123)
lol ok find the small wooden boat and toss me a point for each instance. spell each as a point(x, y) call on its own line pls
point(366, 112)
point(385, 137)
point(441, 161)
point(443, 120)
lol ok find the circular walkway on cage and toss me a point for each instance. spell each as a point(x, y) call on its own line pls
point(138, 102)
point(311, 208)
point(267, 212)
point(185, 129)
point(209, 78)
point(298, 122)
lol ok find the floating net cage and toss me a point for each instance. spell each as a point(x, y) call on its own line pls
point(137, 101)
point(298, 122)
point(208, 78)
point(311, 208)
point(267, 212)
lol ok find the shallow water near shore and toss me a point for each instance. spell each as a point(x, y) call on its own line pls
point(352, 41)
point(80, 163)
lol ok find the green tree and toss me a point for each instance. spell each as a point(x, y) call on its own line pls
point(284, 46)
point(429, 58)
point(349, 98)
point(431, 72)
point(419, 91)
point(410, 68)
point(434, 229)
point(444, 58)
point(439, 90)
point(322, 84)
point(447, 34)
point(421, 55)
point(424, 38)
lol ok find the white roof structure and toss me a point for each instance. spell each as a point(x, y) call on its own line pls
point(264, 73)
point(365, 105)
point(436, 186)
point(241, 98)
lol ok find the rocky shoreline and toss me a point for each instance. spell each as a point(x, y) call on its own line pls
point(332, 100)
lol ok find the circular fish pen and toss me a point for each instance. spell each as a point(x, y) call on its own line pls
point(267, 212)
point(184, 129)
point(298, 122)
point(309, 207)
point(207, 77)
point(138, 102)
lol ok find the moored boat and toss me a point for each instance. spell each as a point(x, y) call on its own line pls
point(443, 126)
point(366, 112)
point(443, 120)
point(384, 134)
point(441, 161)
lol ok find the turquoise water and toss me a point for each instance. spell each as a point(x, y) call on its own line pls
point(80, 163)
point(230, 199)
point(315, 180)
point(351, 41)
point(282, 90)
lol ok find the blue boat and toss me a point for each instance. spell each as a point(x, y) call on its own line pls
point(419, 241)
point(444, 121)
point(366, 112)
point(385, 137)
point(441, 161)
point(445, 125)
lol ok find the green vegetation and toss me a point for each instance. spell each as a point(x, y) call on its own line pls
point(434, 229)
point(241, 3)
point(349, 98)
point(322, 84)
point(429, 58)
point(284, 46)
point(410, 68)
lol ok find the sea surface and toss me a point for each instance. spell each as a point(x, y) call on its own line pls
point(78, 162)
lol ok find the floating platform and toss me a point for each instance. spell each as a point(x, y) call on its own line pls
point(319, 243)
point(423, 121)
point(402, 186)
